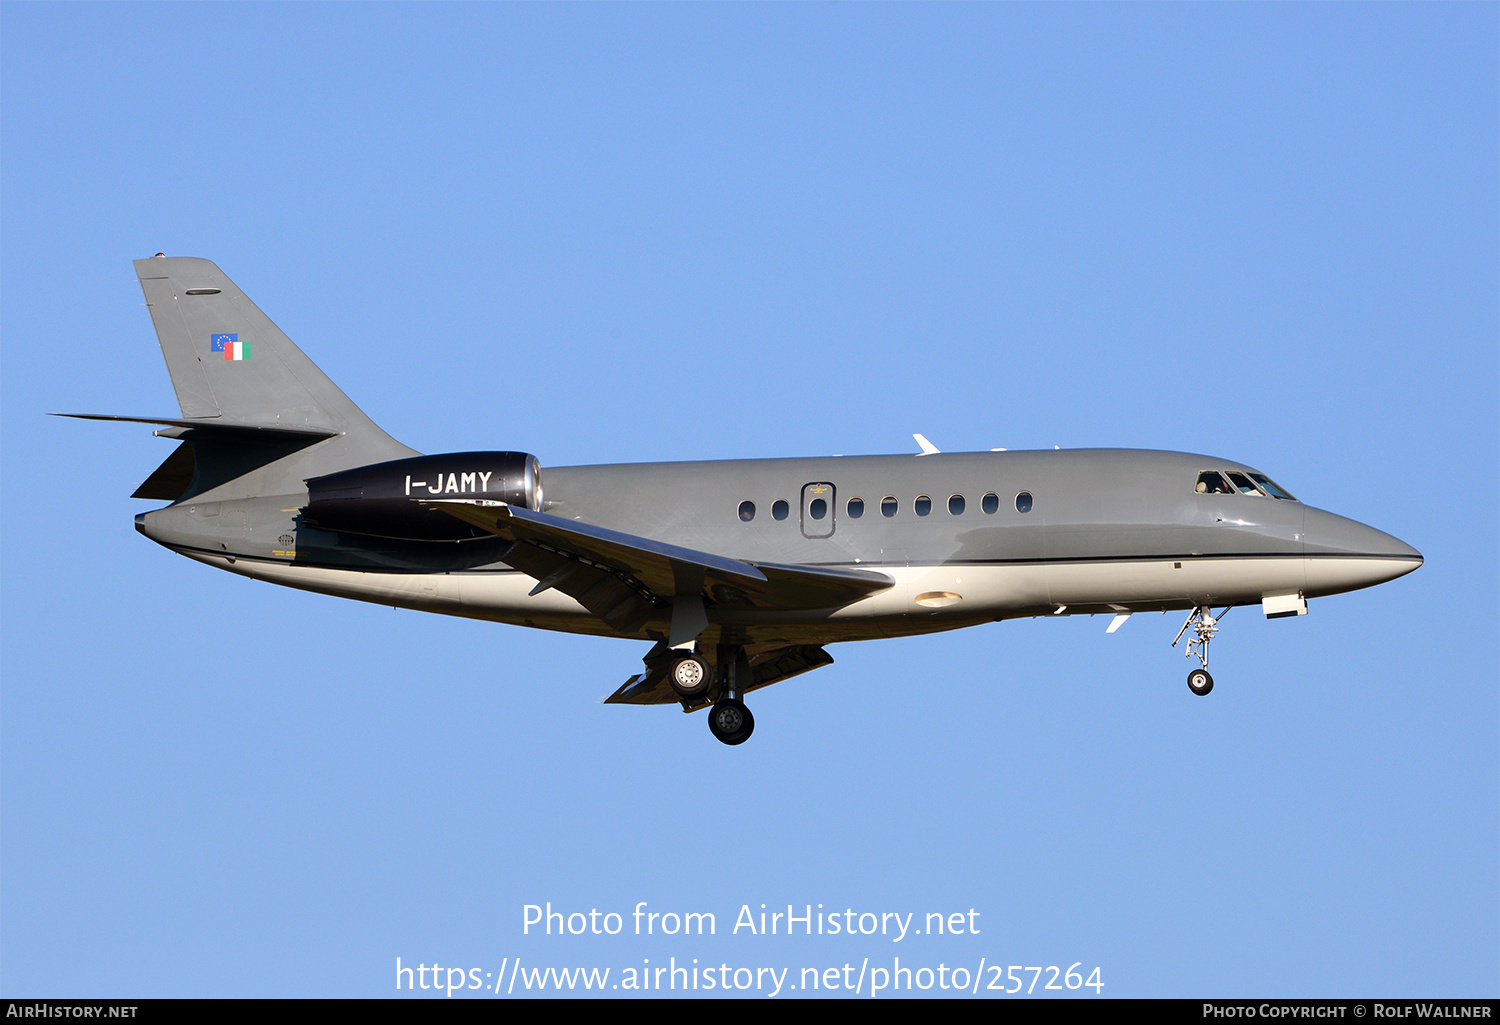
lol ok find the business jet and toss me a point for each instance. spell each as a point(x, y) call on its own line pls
point(738, 574)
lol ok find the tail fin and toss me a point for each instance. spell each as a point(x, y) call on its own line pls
point(228, 360)
point(259, 415)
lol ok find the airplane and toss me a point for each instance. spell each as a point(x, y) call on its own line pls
point(738, 573)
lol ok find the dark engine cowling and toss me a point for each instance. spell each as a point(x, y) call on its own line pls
point(385, 499)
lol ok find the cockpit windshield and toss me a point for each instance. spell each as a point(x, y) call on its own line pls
point(1214, 482)
point(1271, 487)
point(1242, 482)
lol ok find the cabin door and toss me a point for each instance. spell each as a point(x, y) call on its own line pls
point(817, 510)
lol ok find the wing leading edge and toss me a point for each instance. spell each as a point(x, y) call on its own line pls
point(625, 579)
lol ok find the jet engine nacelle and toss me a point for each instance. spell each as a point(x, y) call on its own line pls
point(397, 499)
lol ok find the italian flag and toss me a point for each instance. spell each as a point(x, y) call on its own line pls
point(236, 350)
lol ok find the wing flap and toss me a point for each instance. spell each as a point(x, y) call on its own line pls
point(617, 598)
point(652, 687)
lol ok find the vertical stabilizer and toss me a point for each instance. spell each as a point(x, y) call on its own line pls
point(233, 368)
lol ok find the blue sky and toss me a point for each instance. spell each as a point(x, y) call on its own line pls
point(630, 233)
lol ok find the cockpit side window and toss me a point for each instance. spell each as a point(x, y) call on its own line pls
point(1271, 488)
point(1212, 482)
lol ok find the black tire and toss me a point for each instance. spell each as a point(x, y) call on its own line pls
point(690, 677)
point(731, 722)
point(1199, 682)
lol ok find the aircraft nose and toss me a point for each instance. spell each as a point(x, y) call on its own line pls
point(1344, 555)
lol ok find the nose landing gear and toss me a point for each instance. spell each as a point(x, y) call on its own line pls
point(1205, 625)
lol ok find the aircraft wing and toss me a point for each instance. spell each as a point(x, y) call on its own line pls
point(625, 579)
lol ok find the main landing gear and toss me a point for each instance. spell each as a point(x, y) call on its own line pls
point(693, 678)
point(730, 721)
point(1205, 625)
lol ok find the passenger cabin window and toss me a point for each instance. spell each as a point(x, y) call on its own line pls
point(990, 503)
point(1023, 502)
point(924, 505)
point(817, 508)
point(747, 511)
point(856, 508)
point(780, 509)
point(887, 507)
point(955, 505)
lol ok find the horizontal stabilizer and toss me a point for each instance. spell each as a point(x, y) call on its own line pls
point(213, 452)
point(212, 424)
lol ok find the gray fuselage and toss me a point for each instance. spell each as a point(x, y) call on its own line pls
point(1103, 530)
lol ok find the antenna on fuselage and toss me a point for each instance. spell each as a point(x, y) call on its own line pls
point(928, 448)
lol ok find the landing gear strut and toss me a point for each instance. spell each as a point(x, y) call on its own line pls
point(1205, 625)
point(729, 720)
